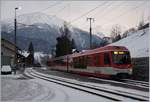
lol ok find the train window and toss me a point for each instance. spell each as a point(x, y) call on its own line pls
point(84, 64)
point(121, 58)
point(88, 60)
point(79, 62)
point(97, 59)
point(85, 59)
point(106, 58)
point(75, 62)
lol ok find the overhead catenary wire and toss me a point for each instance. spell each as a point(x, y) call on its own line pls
point(109, 8)
point(76, 19)
point(104, 10)
point(91, 10)
point(97, 13)
point(53, 5)
point(123, 13)
point(58, 12)
point(117, 18)
point(103, 7)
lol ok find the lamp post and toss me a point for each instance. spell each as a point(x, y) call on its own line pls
point(15, 40)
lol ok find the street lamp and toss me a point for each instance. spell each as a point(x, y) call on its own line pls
point(15, 40)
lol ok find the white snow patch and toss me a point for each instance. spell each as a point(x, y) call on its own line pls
point(38, 56)
point(126, 91)
point(37, 90)
point(65, 94)
point(14, 89)
point(25, 53)
point(137, 43)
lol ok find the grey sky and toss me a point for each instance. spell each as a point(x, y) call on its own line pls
point(106, 13)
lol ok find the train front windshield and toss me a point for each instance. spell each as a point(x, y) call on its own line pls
point(121, 57)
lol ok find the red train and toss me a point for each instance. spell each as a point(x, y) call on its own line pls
point(106, 62)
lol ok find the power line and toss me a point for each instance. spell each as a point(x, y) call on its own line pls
point(87, 12)
point(92, 16)
point(104, 10)
point(58, 12)
point(51, 6)
point(118, 5)
point(110, 11)
point(85, 20)
point(118, 17)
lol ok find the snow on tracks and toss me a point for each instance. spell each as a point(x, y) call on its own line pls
point(109, 94)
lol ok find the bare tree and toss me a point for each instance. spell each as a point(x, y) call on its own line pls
point(125, 34)
point(115, 32)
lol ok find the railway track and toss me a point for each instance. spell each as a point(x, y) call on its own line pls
point(125, 83)
point(138, 83)
point(110, 94)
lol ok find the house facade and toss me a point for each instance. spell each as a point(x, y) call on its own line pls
point(7, 52)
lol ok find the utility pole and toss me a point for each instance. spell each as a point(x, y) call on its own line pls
point(15, 31)
point(91, 19)
point(15, 39)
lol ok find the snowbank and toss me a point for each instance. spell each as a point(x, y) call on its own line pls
point(137, 43)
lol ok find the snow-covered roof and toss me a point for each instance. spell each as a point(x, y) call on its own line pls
point(25, 53)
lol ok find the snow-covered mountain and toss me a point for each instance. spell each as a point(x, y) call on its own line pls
point(33, 19)
point(100, 34)
point(137, 43)
point(43, 30)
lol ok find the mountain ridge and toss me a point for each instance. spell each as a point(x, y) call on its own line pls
point(46, 29)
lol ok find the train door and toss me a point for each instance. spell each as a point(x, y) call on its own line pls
point(96, 60)
point(107, 61)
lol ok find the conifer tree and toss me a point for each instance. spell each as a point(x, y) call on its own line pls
point(31, 53)
point(64, 44)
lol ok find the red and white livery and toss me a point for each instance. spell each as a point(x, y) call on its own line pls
point(106, 62)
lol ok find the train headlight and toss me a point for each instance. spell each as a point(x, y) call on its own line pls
point(115, 52)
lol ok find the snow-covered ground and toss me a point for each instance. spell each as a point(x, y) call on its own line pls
point(14, 89)
point(33, 90)
point(20, 88)
point(103, 86)
point(137, 43)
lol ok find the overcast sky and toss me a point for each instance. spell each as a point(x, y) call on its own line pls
point(106, 13)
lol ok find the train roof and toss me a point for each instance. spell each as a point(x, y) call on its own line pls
point(94, 51)
point(101, 49)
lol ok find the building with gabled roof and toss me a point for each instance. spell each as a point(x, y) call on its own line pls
point(8, 52)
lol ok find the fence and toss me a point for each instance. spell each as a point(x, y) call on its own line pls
point(141, 68)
